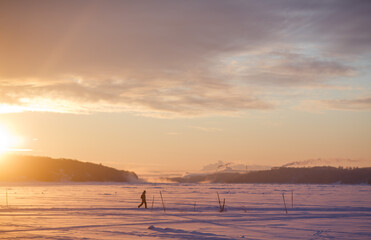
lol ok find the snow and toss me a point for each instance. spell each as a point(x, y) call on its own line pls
point(253, 211)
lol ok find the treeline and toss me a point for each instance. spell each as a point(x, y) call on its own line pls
point(312, 175)
point(30, 168)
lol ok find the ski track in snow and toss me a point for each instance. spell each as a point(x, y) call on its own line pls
point(253, 211)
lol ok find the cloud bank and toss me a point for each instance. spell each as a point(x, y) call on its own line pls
point(174, 58)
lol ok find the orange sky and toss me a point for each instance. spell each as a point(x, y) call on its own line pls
point(176, 85)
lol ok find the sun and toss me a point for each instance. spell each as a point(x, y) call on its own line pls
point(7, 141)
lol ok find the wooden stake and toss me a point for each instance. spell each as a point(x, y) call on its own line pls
point(283, 196)
point(153, 200)
point(292, 198)
point(163, 204)
point(220, 205)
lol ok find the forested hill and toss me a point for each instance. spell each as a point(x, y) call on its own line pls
point(314, 175)
point(30, 168)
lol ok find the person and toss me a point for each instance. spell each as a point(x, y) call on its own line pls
point(143, 197)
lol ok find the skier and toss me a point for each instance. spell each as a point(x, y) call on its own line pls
point(143, 197)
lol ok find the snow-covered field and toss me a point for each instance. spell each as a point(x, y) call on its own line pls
point(253, 211)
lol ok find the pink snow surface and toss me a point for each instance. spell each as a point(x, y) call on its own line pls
point(253, 211)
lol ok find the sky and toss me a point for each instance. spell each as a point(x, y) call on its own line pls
point(176, 85)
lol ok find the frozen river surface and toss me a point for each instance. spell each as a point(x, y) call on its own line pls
point(252, 211)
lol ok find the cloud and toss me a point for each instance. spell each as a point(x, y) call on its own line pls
point(348, 104)
point(174, 133)
point(155, 98)
point(206, 129)
point(340, 26)
point(173, 58)
point(286, 69)
point(94, 36)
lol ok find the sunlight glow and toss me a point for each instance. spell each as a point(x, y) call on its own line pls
point(7, 140)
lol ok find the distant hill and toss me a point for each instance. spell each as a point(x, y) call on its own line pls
point(330, 162)
point(313, 175)
point(31, 168)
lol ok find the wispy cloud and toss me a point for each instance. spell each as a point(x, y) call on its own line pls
point(174, 133)
point(207, 129)
point(348, 104)
point(286, 69)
